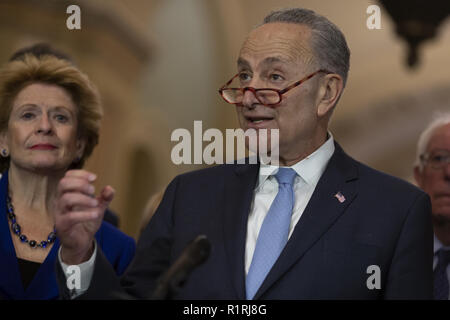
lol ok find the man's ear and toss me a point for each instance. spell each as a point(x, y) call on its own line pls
point(330, 90)
point(418, 176)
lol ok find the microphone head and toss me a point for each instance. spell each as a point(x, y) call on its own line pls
point(195, 253)
point(199, 250)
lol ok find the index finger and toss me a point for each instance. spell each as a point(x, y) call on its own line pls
point(80, 173)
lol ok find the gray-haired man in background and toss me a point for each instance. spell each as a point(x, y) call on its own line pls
point(432, 173)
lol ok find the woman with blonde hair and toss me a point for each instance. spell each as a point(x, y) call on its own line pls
point(50, 116)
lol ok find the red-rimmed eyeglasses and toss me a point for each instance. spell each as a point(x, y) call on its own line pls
point(265, 96)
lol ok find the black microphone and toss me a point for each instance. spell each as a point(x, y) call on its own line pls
point(195, 253)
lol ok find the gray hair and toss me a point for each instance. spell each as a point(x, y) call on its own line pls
point(439, 119)
point(327, 41)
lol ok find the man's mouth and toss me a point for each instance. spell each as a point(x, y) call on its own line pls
point(258, 120)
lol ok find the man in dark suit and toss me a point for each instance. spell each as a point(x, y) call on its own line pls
point(322, 226)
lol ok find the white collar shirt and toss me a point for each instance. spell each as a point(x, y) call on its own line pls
point(309, 170)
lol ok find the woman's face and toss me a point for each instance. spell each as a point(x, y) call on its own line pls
point(42, 129)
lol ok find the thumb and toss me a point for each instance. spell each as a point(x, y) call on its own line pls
point(106, 196)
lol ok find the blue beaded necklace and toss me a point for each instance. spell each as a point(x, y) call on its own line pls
point(15, 227)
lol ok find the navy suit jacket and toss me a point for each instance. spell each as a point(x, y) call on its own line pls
point(383, 221)
point(117, 247)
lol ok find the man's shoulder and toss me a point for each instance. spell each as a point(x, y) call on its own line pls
point(376, 181)
point(386, 183)
point(217, 171)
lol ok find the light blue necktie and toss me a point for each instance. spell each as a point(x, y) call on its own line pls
point(274, 232)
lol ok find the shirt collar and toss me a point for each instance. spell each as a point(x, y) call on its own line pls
point(438, 245)
point(310, 169)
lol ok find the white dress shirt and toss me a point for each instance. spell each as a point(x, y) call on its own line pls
point(438, 245)
point(86, 271)
point(309, 171)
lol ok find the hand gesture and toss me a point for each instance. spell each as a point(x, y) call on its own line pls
point(79, 214)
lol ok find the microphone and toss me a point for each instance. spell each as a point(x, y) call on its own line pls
point(195, 254)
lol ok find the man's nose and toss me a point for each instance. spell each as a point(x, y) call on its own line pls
point(446, 172)
point(249, 100)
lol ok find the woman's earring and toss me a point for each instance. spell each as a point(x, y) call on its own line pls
point(4, 153)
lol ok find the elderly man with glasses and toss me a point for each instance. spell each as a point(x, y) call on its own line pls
point(432, 173)
point(320, 226)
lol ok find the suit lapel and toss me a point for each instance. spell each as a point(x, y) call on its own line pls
point(45, 277)
point(43, 285)
point(323, 209)
point(239, 186)
point(10, 279)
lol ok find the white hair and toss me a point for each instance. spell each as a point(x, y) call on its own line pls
point(439, 119)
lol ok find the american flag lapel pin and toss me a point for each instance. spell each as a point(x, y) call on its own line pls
point(340, 197)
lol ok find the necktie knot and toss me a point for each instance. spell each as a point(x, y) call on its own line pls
point(286, 176)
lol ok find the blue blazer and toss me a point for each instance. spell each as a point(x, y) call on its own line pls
point(118, 249)
point(383, 221)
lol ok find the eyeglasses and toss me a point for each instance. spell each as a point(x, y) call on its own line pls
point(265, 96)
point(437, 159)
